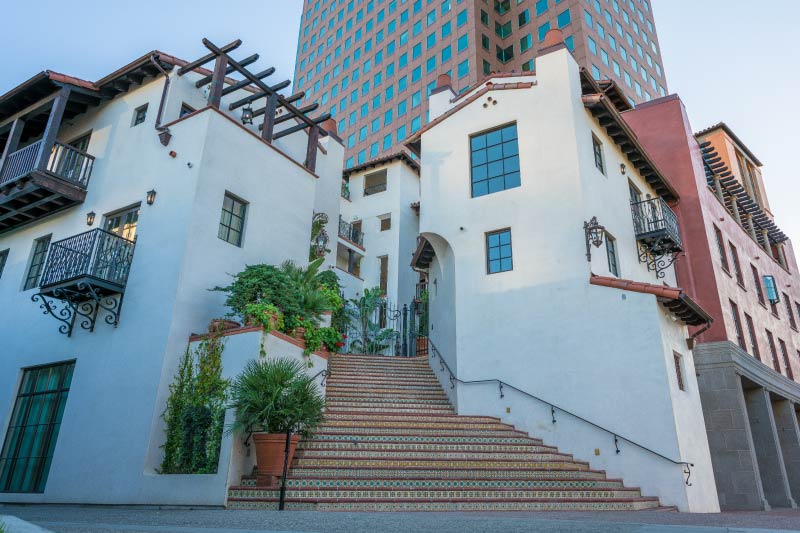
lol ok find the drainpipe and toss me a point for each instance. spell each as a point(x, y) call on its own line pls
point(690, 342)
point(163, 133)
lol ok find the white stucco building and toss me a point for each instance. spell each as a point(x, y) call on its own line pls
point(145, 184)
point(379, 228)
point(512, 173)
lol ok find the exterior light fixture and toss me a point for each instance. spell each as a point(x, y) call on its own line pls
point(151, 196)
point(90, 218)
point(247, 115)
point(622, 168)
point(594, 236)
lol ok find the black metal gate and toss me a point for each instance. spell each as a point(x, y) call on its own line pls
point(375, 325)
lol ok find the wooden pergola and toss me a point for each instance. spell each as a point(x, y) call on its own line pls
point(221, 85)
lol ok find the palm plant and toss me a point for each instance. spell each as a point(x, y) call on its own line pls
point(276, 396)
point(308, 281)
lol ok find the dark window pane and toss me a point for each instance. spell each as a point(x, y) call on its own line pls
point(499, 148)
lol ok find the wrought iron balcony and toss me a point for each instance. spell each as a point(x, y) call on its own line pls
point(374, 189)
point(657, 231)
point(87, 273)
point(351, 233)
point(35, 183)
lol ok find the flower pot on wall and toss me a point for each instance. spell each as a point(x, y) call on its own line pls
point(270, 449)
point(300, 333)
point(221, 324)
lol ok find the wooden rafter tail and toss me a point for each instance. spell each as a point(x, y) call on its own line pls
point(209, 57)
point(244, 83)
point(300, 127)
point(246, 100)
point(206, 80)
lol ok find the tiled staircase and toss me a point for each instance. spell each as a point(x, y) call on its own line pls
point(391, 442)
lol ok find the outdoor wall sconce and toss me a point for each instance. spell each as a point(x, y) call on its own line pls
point(90, 218)
point(623, 168)
point(247, 115)
point(594, 236)
point(151, 196)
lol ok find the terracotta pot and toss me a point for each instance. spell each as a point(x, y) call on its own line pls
point(273, 320)
point(270, 449)
point(221, 324)
point(300, 333)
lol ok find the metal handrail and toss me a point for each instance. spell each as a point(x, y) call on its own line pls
point(374, 189)
point(655, 215)
point(434, 352)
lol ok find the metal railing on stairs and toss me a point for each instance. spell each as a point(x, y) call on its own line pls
point(434, 353)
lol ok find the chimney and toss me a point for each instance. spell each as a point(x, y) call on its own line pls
point(553, 40)
point(439, 100)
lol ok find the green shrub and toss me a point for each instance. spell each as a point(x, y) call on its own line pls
point(195, 412)
point(263, 284)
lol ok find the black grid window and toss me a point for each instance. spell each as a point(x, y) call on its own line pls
point(498, 252)
point(34, 426)
point(679, 370)
point(231, 222)
point(139, 115)
point(597, 147)
point(753, 339)
point(495, 161)
point(737, 324)
point(3, 259)
point(36, 266)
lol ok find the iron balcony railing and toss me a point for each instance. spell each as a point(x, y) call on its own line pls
point(375, 189)
point(350, 232)
point(96, 254)
point(65, 162)
point(654, 221)
point(345, 190)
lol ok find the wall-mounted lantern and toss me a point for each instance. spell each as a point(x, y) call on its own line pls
point(594, 236)
point(90, 218)
point(151, 196)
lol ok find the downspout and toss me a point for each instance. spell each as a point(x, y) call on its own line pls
point(690, 342)
point(163, 133)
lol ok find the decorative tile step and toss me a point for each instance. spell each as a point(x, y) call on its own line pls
point(422, 473)
point(394, 417)
point(318, 444)
point(388, 366)
point(395, 409)
point(443, 464)
point(368, 391)
point(462, 483)
point(384, 392)
point(432, 455)
point(449, 440)
point(458, 494)
point(390, 401)
point(450, 505)
point(411, 423)
point(383, 382)
point(359, 433)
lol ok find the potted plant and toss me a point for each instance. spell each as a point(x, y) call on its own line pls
point(266, 315)
point(219, 325)
point(275, 402)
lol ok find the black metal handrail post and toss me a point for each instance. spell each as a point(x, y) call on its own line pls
point(434, 352)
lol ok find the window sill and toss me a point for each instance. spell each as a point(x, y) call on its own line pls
point(741, 286)
point(727, 272)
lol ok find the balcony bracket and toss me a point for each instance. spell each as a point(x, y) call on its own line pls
point(81, 304)
point(656, 261)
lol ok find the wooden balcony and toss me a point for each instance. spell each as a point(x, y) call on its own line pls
point(37, 181)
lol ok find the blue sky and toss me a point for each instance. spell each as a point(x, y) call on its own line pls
point(727, 60)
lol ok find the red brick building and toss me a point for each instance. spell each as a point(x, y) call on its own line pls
point(740, 267)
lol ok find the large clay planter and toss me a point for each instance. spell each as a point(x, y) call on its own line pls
point(300, 333)
point(221, 324)
point(270, 449)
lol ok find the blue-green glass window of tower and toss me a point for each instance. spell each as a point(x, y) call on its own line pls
point(541, 7)
point(772, 289)
point(543, 29)
point(463, 69)
point(33, 427)
point(494, 160)
point(564, 18)
point(498, 252)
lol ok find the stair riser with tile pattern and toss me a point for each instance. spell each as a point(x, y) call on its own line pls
point(391, 441)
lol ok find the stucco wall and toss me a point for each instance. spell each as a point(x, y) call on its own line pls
point(603, 354)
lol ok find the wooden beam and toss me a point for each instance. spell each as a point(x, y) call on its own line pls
point(215, 94)
point(51, 130)
point(244, 83)
point(209, 57)
point(13, 140)
point(311, 148)
point(268, 127)
point(301, 127)
point(246, 100)
point(283, 118)
point(246, 61)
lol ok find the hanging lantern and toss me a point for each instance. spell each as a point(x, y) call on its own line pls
point(247, 115)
